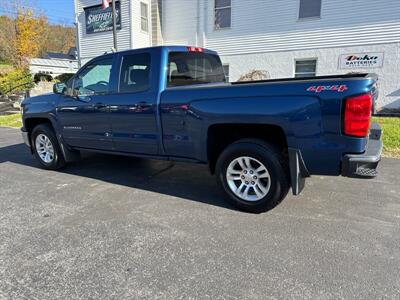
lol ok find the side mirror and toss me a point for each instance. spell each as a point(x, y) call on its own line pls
point(59, 88)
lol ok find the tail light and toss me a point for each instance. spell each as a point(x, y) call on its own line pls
point(357, 115)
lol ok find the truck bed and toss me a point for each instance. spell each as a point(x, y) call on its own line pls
point(314, 78)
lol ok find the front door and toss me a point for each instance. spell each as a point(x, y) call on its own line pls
point(83, 112)
point(133, 108)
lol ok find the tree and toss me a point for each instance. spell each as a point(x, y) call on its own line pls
point(28, 33)
point(58, 38)
point(7, 37)
point(15, 81)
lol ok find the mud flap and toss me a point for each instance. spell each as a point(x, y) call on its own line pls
point(298, 171)
point(69, 154)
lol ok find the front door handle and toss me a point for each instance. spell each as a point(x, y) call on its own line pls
point(100, 105)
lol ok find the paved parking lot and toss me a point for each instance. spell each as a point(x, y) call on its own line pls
point(122, 228)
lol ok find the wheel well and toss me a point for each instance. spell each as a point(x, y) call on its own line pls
point(33, 122)
point(222, 135)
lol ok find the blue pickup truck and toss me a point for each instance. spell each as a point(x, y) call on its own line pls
point(260, 138)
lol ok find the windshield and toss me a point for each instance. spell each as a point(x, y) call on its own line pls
point(187, 68)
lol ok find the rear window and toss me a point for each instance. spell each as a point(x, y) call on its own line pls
point(186, 68)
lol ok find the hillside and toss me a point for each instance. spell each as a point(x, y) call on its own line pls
point(54, 38)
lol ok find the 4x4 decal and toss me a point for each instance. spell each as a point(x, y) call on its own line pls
point(320, 88)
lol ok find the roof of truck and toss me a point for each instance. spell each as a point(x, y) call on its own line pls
point(180, 48)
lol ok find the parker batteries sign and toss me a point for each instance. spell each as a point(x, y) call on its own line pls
point(100, 20)
point(361, 60)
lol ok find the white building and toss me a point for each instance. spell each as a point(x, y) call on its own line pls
point(55, 64)
point(286, 38)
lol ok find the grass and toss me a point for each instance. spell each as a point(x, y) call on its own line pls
point(13, 121)
point(390, 126)
point(390, 136)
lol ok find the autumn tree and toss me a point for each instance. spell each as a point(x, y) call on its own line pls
point(26, 33)
point(29, 31)
point(58, 38)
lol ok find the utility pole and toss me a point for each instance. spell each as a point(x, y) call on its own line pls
point(114, 16)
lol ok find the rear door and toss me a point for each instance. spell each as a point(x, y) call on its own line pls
point(133, 108)
point(83, 111)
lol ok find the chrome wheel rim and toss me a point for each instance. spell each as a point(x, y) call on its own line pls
point(248, 178)
point(44, 148)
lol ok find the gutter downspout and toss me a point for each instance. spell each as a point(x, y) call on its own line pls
point(78, 40)
point(197, 23)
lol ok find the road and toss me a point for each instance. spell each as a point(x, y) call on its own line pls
point(122, 228)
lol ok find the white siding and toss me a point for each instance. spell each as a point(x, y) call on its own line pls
point(282, 64)
point(92, 45)
point(179, 25)
point(269, 25)
point(141, 39)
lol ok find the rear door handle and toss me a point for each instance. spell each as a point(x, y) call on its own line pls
point(143, 104)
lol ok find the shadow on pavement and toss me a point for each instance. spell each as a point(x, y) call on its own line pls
point(188, 181)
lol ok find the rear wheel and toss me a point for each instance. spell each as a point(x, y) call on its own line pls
point(253, 174)
point(46, 148)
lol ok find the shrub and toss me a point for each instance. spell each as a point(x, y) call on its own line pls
point(15, 81)
point(42, 77)
point(255, 75)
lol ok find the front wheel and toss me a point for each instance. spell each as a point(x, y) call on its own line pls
point(46, 148)
point(253, 174)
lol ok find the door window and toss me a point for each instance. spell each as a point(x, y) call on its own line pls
point(94, 79)
point(135, 73)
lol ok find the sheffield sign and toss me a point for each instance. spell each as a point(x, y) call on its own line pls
point(100, 20)
point(361, 60)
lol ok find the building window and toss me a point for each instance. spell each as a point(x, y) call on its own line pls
point(306, 68)
point(310, 9)
point(223, 11)
point(144, 17)
point(226, 72)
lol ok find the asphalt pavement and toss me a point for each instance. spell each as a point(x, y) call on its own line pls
point(111, 227)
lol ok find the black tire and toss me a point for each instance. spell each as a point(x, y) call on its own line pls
point(58, 161)
point(271, 158)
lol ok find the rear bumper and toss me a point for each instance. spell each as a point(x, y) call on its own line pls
point(364, 165)
point(25, 137)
